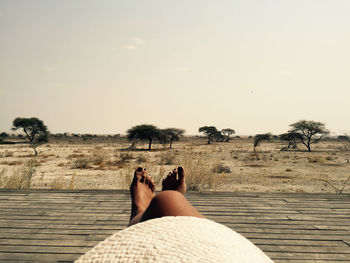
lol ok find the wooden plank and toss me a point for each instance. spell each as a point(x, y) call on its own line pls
point(309, 261)
point(42, 236)
point(290, 227)
point(306, 249)
point(294, 236)
point(37, 257)
point(298, 242)
point(61, 243)
point(44, 249)
point(106, 232)
point(307, 256)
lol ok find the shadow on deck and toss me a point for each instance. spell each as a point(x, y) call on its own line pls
point(59, 226)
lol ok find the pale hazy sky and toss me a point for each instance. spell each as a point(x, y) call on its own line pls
point(105, 66)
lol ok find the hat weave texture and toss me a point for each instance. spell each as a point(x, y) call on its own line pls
point(175, 239)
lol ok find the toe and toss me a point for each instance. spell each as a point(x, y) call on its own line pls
point(143, 179)
point(137, 175)
point(148, 179)
point(181, 173)
point(152, 185)
point(138, 172)
point(174, 174)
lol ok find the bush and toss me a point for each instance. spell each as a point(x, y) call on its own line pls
point(125, 157)
point(81, 163)
point(8, 153)
point(98, 155)
point(317, 159)
point(221, 168)
point(141, 159)
point(167, 159)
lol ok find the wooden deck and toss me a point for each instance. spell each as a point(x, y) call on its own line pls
point(59, 226)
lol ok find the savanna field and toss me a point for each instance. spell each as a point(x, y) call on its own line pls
point(108, 163)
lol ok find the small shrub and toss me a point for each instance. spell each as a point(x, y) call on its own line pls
point(329, 158)
point(316, 159)
point(98, 156)
point(125, 157)
point(167, 159)
point(8, 153)
point(251, 157)
point(221, 168)
point(288, 170)
point(81, 163)
point(141, 159)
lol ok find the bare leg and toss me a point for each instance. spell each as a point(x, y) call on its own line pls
point(167, 203)
point(142, 190)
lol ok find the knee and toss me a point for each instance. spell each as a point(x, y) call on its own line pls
point(166, 197)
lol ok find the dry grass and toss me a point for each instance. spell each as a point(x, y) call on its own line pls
point(199, 169)
point(126, 178)
point(125, 157)
point(320, 159)
point(98, 156)
point(167, 159)
point(220, 166)
point(12, 162)
point(337, 187)
point(8, 153)
point(57, 183)
point(81, 163)
point(21, 178)
point(141, 159)
point(72, 182)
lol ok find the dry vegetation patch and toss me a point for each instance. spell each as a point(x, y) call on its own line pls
point(231, 166)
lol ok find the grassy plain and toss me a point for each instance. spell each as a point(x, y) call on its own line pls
point(221, 166)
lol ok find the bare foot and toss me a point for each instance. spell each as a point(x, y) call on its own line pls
point(142, 191)
point(175, 181)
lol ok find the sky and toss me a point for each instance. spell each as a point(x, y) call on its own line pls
point(102, 67)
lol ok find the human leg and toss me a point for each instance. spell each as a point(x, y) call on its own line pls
point(169, 202)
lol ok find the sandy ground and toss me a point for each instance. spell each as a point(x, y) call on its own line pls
point(231, 166)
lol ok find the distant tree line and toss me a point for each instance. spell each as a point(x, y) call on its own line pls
point(304, 131)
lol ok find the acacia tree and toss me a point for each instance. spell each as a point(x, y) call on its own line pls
point(227, 132)
point(209, 131)
point(258, 138)
point(144, 132)
point(3, 136)
point(218, 137)
point(171, 135)
point(309, 132)
point(291, 138)
point(35, 130)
